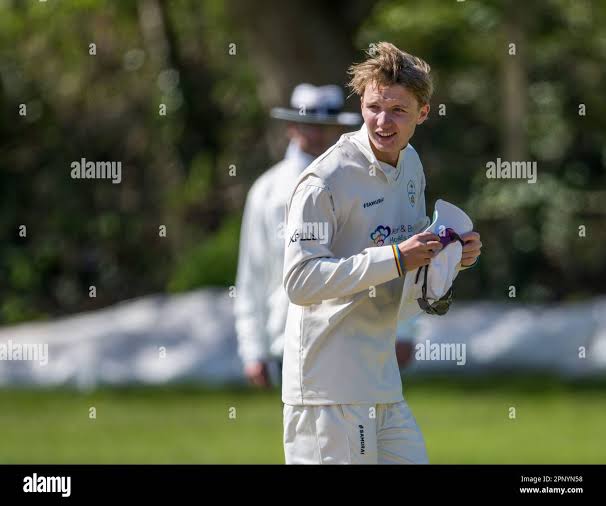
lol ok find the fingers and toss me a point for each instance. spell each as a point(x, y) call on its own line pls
point(258, 374)
point(472, 246)
point(427, 236)
point(470, 236)
point(433, 245)
point(417, 262)
point(427, 245)
point(265, 377)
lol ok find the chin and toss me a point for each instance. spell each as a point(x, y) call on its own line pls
point(388, 148)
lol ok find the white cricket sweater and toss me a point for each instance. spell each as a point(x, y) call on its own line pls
point(341, 273)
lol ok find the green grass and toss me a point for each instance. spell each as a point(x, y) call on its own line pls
point(463, 421)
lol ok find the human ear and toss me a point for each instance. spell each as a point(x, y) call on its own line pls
point(423, 114)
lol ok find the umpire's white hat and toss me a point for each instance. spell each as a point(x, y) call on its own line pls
point(320, 105)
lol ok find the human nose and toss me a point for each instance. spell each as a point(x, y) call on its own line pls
point(383, 118)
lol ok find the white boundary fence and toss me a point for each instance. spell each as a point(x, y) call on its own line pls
point(191, 338)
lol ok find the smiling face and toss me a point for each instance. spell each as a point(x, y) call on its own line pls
point(391, 114)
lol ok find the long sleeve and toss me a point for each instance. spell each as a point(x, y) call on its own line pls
point(250, 305)
point(312, 273)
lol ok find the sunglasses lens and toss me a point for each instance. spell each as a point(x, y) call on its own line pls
point(439, 307)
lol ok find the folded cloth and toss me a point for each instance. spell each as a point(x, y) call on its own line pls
point(448, 223)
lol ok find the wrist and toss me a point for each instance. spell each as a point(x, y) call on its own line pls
point(398, 259)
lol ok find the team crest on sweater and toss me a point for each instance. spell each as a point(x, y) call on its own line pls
point(412, 193)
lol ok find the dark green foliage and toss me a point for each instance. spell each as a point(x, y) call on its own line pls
point(175, 168)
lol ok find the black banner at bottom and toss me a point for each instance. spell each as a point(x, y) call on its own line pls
point(81, 484)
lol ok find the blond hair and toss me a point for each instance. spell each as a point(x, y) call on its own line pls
point(387, 65)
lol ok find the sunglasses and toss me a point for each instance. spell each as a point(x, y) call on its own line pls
point(437, 307)
point(442, 305)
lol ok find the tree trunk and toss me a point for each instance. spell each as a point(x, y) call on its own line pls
point(514, 89)
point(298, 41)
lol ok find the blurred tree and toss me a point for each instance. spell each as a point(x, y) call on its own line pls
point(520, 106)
point(188, 167)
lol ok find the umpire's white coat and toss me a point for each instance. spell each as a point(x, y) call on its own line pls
point(261, 304)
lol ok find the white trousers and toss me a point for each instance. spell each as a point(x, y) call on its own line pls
point(352, 434)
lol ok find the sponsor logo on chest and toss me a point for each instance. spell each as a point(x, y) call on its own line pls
point(384, 234)
point(373, 203)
